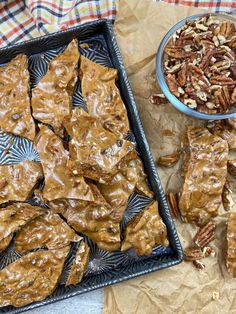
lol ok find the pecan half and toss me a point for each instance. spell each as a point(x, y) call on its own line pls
point(173, 84)
point(193, 254)
point(182, 75)
point(168, 160)
point(172, 199)
point(205, 235)
point(233, 96)
point(226, 197)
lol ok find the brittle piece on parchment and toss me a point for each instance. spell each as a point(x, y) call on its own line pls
point(17, 181)
point(145, 231)
point(60, 182)
point(48, 230)
point(205, 167)
point(95, 152)
point(51, 98)
point(99, 221)
point(15, 113)
point(32, 277)
point(231, 240)
point(103, 97)
point(79, 265)
point(15, 216)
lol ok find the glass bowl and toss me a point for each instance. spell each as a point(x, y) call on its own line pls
point(161, 76)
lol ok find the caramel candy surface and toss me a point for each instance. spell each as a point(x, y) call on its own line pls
point(103, 97)
point(60, 182)
point(49, 230)
point(52, 96)
point(231, 240)
point(205, 165)
point(32, 277)
point(100, 222)
point(15, 216)
point(17, 181)
point(95, 152)
point(79, 265)
point(5, 242)
point(15, 112)
point(145, 231)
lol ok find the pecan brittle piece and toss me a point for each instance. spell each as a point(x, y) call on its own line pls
point(205, 165)
point(51, 97)
point(145, 231)
point(48, 230)
point(15, 110)
point(79, 265)
point(205, 235)
point(231, 240)
point(17, 181)
point(5, 242)
point(99, 221)
point(95, 151)
point(32, 277)
point(103, 97)
point(60, 182)
point(15, 216)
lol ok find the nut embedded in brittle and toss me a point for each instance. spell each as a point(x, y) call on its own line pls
point(168, 160)
point(172, 199)
point(205, 235)
point(226, 197)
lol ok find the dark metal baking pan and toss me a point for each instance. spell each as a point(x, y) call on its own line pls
point(105, 268)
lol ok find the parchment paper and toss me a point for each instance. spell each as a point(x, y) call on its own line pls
point(139, 27)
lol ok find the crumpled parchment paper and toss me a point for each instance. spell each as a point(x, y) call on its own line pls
point(139, 28)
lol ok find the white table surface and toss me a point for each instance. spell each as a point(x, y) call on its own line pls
point(87, 303)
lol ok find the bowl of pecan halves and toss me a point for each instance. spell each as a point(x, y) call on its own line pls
point(196, 66)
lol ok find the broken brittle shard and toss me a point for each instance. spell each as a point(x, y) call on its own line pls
point(5, 242)
point(15, 216)
point(102, 96)
point(49, 230)
point(205, 171)
point(100, 222)
point(95, 152)
point(129, 178)
point(17, 181)
point(145, 231)
point(60, 182)
point(51, 98)
point(231, 240)
point(15, 112)
point(79, 265)
point(32, 277)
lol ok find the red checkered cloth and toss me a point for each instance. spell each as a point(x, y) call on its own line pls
point(22, 20)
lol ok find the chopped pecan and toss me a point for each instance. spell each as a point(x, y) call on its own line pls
point(173, 84)
point(233, 96)
point(193, 254)
point(158, 99)
point(232, 167)
point(226, 197)
point(232, 43)
point(178, 52)
point(172, 199)
point(222, 99)
point(222, 80)
point(205, 235)
point(182, 75)
point(199, 265)
point(168, 160)
point(227, 29)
